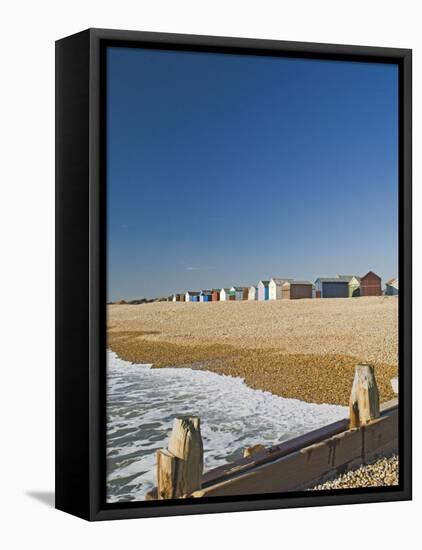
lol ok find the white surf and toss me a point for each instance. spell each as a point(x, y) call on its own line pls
point(142, 403)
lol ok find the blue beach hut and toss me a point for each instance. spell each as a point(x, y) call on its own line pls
point(263, 290)
point(205, 296)
point(192, 296)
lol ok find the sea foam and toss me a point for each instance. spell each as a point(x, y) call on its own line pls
point(142, 403)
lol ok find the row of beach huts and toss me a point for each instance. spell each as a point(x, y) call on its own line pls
point(341, 286)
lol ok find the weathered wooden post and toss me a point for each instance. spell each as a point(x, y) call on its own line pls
point(179, 468)
point(364, 400)
point(168, 475)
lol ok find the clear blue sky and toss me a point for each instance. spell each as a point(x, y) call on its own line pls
point(225, 169)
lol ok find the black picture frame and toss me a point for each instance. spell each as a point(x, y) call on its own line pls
point(81, 272)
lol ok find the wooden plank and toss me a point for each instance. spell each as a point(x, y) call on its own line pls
point(283, 449)
point(387, 405)
point(304, 467)
point(274, 452)
point(382, 438)
point(334, 455)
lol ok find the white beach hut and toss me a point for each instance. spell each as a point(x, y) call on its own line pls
point(252, 293)
point(275, 287)
point(224, 294)
point(263, 290)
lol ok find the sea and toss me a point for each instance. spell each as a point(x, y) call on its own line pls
point(142, 403)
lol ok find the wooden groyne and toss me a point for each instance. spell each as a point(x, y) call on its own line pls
point(370, 431)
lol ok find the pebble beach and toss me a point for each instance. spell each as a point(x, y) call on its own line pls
point(303, 349)
point(380, 473)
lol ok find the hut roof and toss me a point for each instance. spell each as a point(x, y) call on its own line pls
point(280, 280)
point(370, 273)
point(331, 280)
point(293, 282)
point(192, 293)
point(225, 290)
point(348, 278)
point(238, 288)
point(392, 281)
point(265, 283)
point(206, 292)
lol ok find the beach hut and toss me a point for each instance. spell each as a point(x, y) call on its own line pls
point(252, 293)
point(296, 290)
point(392, 287)
point(191, 296)
point(215, 297)
point(178, 297)
point(354, 284)
point(224, 294)
point(370, 284)
point(205, 296)
point(331, 287)
point(275, 287)
point(263, 290)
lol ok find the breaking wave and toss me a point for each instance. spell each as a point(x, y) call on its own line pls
point(142, 403)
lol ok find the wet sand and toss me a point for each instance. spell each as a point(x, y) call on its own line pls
point(305, 349)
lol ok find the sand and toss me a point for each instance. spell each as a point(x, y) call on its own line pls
point(305, 349)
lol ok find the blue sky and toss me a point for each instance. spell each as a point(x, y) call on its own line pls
point(226, 169)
